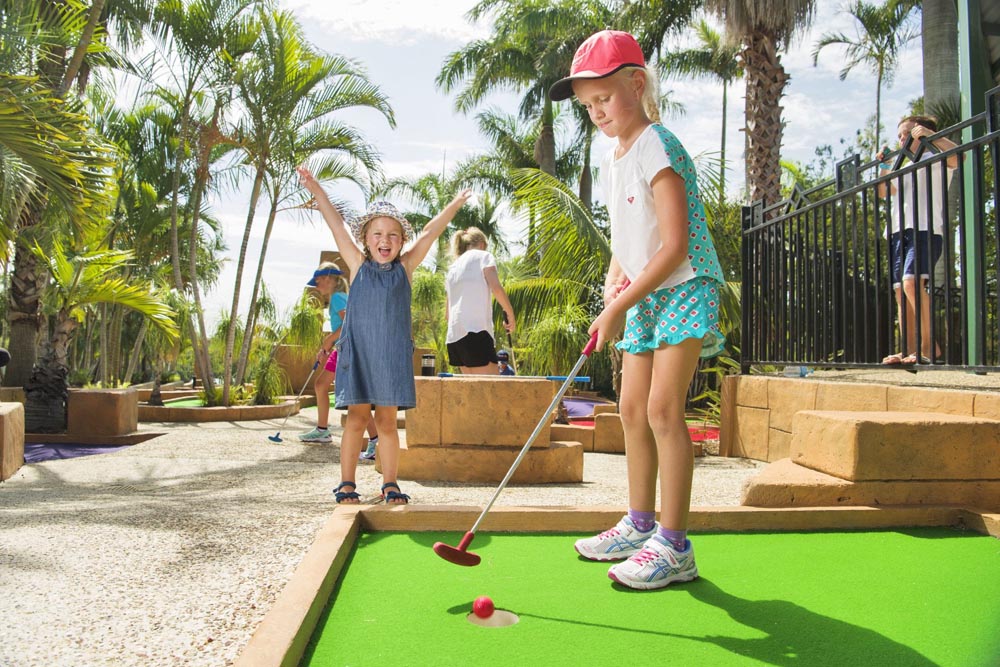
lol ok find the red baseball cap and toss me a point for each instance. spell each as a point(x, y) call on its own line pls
point(601, 55)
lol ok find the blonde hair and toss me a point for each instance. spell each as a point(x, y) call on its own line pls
point(465, 239)
point(339, 281)
point(650, 91)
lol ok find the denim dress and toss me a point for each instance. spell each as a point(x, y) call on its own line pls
point(375, 361)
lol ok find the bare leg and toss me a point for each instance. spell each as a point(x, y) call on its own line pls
point(673, 368)
point(640, 447)
point(351, 441)
point(322, 384)
point(385, 420)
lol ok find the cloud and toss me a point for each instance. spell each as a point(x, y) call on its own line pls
point(393, 22)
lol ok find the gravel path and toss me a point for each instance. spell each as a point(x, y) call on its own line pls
point(171, 551)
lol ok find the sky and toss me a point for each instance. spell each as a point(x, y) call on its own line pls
point(402, 44)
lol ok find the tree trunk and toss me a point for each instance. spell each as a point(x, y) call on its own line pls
point(75, 63)
point(586, 174)
point(46, 391)
point(765, 85)
point(23, 312)
point(136, 351)
point(103, 334)
point(199, 338)
point(251, 312)
point(722, 152)
point(545, 145)
point(878, 112)
point(939, 36)
point(227, 376)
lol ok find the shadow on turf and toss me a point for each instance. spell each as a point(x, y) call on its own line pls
point(794, 634)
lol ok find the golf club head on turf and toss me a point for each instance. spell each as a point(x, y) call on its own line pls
point(458, 555)
point(276, 437)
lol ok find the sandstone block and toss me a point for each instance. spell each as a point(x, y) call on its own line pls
point(496, 411)
point(556, 462)
point(849, 396)
point(423, 423)
point(786, 484)
point(751, 433)
point(785, 397)
point(96, 412)
point(752, 391)
point(779, 444)
point(11, 439)
point(923, 399)
point(863, 446)
point(986, 405)
point(573, 433)
point(609, 436)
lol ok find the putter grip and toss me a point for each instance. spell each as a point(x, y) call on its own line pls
point(591, 344)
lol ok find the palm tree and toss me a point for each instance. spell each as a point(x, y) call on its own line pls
point(283, 84)
point(763, 28)
point(531, 48)
point(80, 278)
point(46, 149)
point(881, 33)
point(49, 40)
point(939, 44)
point(193, 38)
point(712, 57)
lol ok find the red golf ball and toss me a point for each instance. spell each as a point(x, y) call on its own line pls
point(483, 607)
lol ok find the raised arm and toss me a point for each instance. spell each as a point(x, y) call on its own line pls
point(352, 255)
point(432, 230)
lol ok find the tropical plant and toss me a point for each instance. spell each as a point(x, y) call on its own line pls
point(763, 28)
point(712, 57)
point(80, 277)
point(290, 93)
point(881, 33)
point(192, 38)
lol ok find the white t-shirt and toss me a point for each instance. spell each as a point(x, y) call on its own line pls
point(469, 299)
point(635, 238)
point(915, 184)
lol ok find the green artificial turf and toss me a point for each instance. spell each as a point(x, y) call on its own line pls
point(900, 598)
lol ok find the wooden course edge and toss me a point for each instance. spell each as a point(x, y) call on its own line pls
point(282, 636)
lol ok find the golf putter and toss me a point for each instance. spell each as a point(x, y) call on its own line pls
point(277, 436)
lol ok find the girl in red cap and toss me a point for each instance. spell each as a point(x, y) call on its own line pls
point(375, 349)
point(663, 285)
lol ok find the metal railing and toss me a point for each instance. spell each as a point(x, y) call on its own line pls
point(817, 285)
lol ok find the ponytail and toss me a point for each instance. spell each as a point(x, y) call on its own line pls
point(465, 239)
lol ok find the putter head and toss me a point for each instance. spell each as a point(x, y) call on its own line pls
point(456, 556)
point(275, 438)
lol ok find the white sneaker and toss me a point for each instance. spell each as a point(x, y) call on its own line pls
point(656, 566)
point(618, 543)
point(317, 435)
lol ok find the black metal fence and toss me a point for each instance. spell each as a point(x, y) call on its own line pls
point(818, 288)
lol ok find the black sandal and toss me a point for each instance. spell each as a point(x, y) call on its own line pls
point(392, 497)
point(342, 496)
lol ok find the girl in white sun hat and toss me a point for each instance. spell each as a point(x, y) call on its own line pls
point(663, 285)
point(375, 349)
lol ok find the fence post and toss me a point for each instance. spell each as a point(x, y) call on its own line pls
point(750, 217)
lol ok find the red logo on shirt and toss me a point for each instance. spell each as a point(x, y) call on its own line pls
point(631, 199)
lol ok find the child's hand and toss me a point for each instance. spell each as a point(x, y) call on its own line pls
point(463, 197)
point(607, 325)
point(307, 180)
point(611, 292)
point(920, 131)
